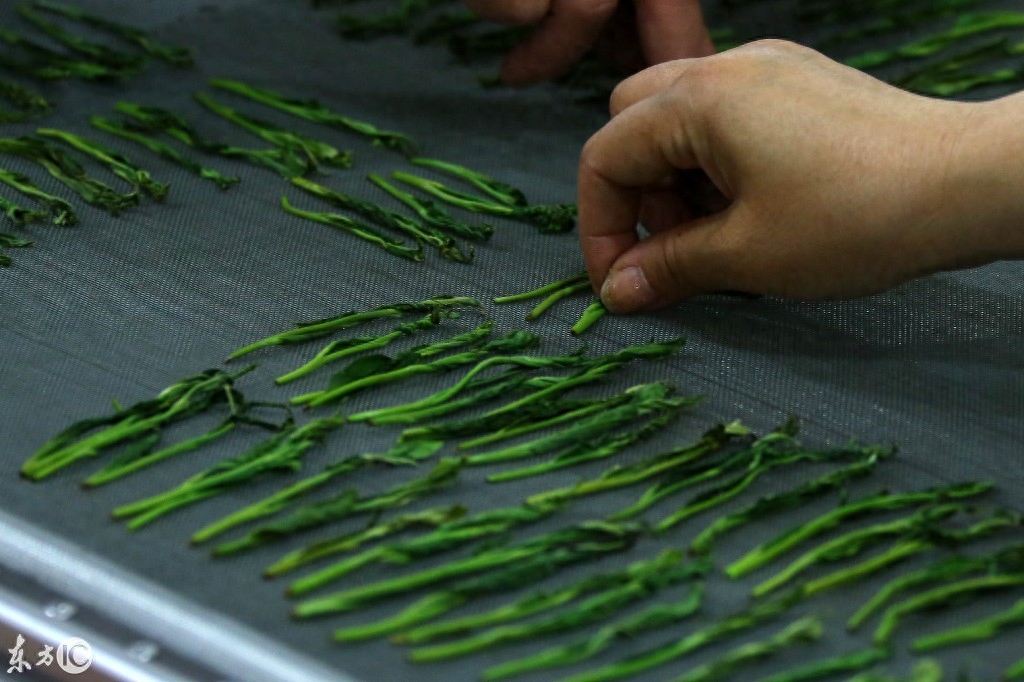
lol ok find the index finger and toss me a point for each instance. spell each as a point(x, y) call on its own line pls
point(510, 11)
point(566, 34)
point(672, 29)
point(637, 148)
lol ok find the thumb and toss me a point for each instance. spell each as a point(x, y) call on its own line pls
point(669, 267)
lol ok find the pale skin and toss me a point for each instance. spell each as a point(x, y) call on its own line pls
point(771, 169)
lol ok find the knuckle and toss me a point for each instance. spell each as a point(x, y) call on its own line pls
point(773, 49)
point(777, 45)
point(707, 81)
point(619, 98)
point(589, 157)
point(702, 83)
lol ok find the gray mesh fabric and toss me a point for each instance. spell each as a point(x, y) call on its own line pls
point(118, 308)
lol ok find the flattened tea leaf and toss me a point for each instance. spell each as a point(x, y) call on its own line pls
point(594, 312)
point(20, 216)
point(71, 173)
point(372, 365)
point(914, 543)
point(285, 161)
point(176, 402)
point(176, 56)
point(730, 489)
point(652, 618)
point(966, 26)
point(119, 165)
point(844, 663)
point(899, 18)
point(646, 580)
point(51, 65)
point(343, 348)
point(164, 150)
point(447, 247)
point(884, 501)
point(976, 631)
point(1010, 559)
point(309, 331)
point(450, 536)
point(401, 455)
point(539, 415)
point(804, 631)
point(501, 192)
point(545, 290)
point(498, 349)
point(433, 215)
point(779, 502)
point(621, 476)
point(479, 391)
point(557, 296)
point(606, 445)
point(778, 443)
point(101, 54)
point(854, 542)
point(60, 211)
point(344, 505)
point(281, 453)
point(643, 400)
point(502, 580)
point(547, 219)
point(545, 552)
point(28, 103)
point(315, 152)
point(131, 462)
point(9, 241)
point(398, 20)
point(546, 600)
point(311, 110)
point(349, 542)
point(365, 232)
point(749, 618)
point(590, 369)
point(945, 596)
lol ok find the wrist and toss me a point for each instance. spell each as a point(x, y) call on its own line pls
point(984, 183)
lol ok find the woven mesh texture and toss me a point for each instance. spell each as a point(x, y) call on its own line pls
point(118, 308)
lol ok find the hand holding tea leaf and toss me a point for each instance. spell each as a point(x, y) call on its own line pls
point(739, 237)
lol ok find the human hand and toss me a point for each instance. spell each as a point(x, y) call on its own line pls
point(824, 182)
point(568, 29)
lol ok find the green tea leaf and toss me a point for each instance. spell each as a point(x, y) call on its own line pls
point(652, 618)
point(883, 501)
point(342, 506)
point(544, 553)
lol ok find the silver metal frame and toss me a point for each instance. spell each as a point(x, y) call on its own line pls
point(69, 574)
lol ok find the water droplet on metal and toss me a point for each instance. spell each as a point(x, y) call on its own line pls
point(143, 651)
point(60, 610)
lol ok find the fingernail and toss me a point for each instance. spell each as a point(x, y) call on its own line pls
point(627, 290)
